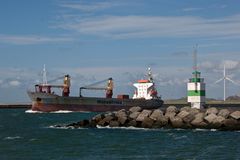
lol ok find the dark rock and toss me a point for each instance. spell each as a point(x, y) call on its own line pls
point(231, 124)
point(176, 122)
point(169, 115)
point(156, 114)
point(98, 118)
point(114, 124)
point(218, 122)
point(188, 119)
point(143, 114)
point(122, 120)
point(147, 122)
point(121, 113)
point(106, 120)
point(121, 116)
point(224, 113)
point(135, 109)
point(235, 115)
point(212, 110)
point(198, 122)
point(134, 115)
point(161, 122)
point(132, 123)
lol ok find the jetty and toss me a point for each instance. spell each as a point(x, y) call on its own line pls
point(170, 117)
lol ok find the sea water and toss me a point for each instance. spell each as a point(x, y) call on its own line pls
point(29, 135)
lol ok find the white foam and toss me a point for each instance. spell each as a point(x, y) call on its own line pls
point(63, 127)
point(127, 128)
point(12, 138)
point(62, 111)
point(202, 130)
point(59, 127)
point(31, 111)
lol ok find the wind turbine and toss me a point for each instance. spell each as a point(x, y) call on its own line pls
point(224, 78)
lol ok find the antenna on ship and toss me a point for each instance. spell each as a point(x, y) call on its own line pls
point(150, 77)
point(44, 74)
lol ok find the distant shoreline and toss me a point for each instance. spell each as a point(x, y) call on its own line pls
point(14, 106)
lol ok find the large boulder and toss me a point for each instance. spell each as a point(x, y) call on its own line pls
point(143, 114)
point(170, 115)
point(114, 124)
point(134, 115)
point(224, 113)
point(132, 123)
point(160, 122)
point(211, 110)
point(156, 114)
point(98, 118)
point(171, 109)
point(198, 122)
point(214, 120)
point(186, 108)
point(121, 113)
point(176, 122)
point(121, 116)
point(147, 122)
point(135, 109)
point(183, 114)
point(231, 124)
point(210, 118)
point(235, 115)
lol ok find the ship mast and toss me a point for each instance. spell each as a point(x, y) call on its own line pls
point(44, 75)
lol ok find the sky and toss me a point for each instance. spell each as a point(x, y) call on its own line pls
point(92, 40)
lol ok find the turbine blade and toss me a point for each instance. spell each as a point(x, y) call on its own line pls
point(219, 80)
point(227, 78)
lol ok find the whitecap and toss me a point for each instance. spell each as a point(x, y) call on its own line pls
point(201, 130)
point(12, 138)
point(63, 127)
point(31, 111)
point(62, 111)
point(127, 128)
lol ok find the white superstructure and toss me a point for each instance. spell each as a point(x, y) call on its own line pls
point(145, 88)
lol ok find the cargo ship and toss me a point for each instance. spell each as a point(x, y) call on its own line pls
point(44, 99)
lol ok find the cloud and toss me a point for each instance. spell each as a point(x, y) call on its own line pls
point(121, 27)
point(231, 64)
point(31, 39)
point(88, 7)
point(192, 9)
point(15, 83)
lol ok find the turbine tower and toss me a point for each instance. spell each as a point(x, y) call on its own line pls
point(224, 78)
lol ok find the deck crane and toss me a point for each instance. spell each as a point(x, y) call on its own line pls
point(108, 88)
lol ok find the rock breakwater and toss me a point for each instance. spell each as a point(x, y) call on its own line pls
point(171, 117)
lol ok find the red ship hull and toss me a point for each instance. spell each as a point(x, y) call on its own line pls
point(49, 103)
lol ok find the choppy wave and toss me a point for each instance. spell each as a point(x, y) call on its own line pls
point(127, 128)
point(12, 138)
point(63, 127)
